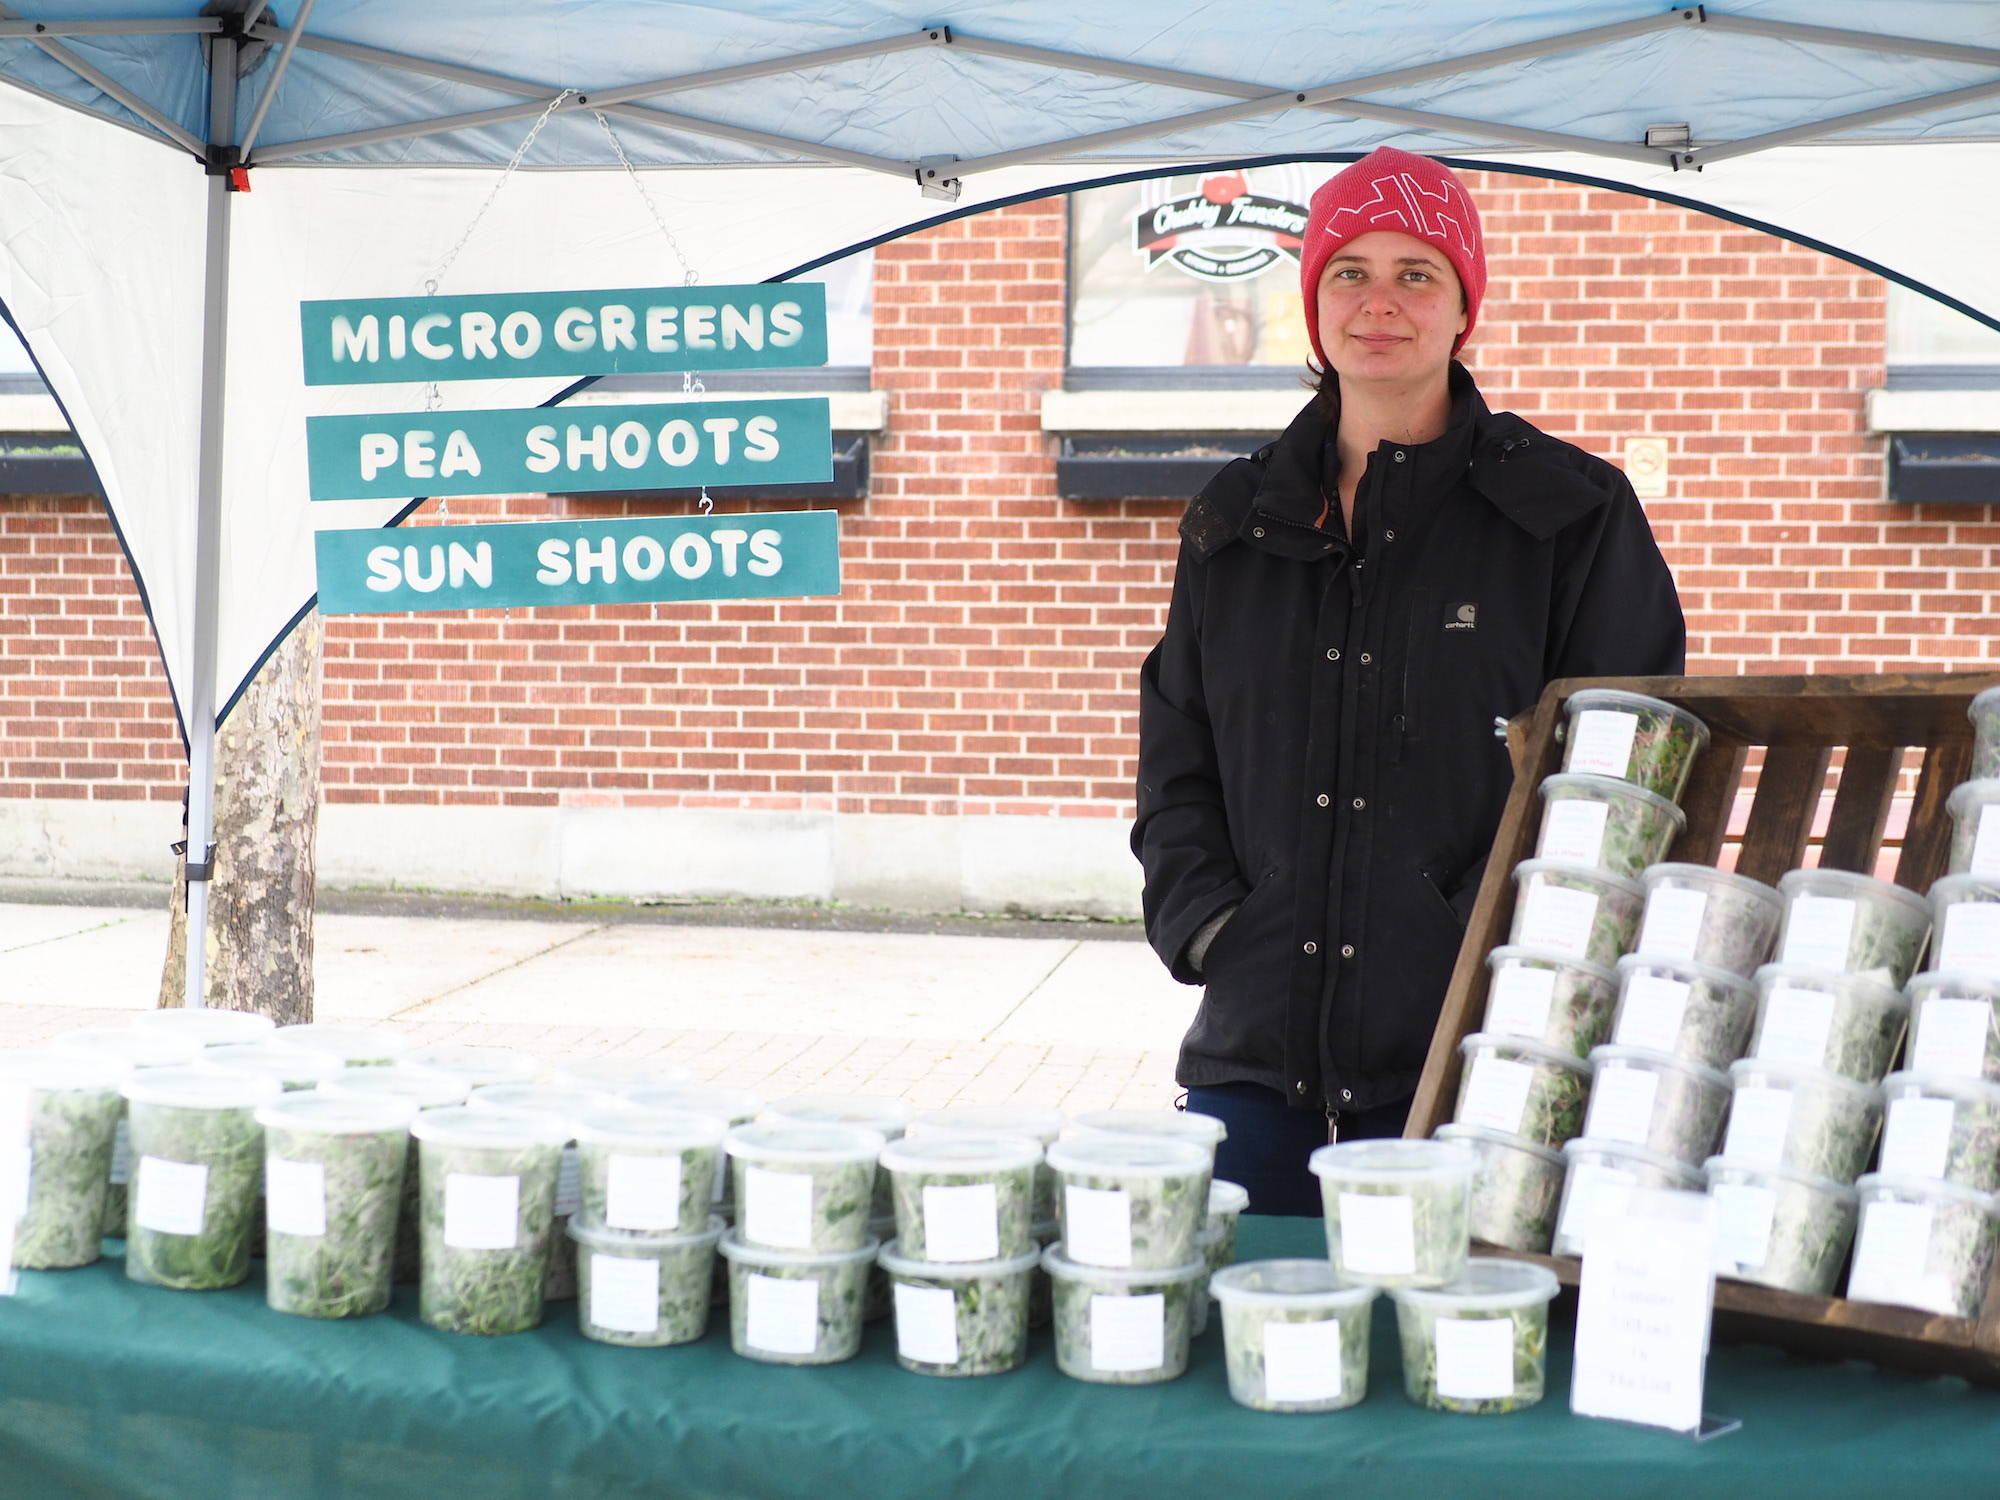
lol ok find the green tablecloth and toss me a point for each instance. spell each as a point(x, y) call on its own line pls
point(107, 1388)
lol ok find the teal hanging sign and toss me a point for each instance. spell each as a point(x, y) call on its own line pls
point(505, 335)
point(565, 449)
point(535, 564)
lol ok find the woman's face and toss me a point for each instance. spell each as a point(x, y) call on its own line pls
point(1390, 310)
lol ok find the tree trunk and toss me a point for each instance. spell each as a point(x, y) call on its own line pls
point(260, 914)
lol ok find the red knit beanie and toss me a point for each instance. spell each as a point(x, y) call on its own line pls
point(1391, 189)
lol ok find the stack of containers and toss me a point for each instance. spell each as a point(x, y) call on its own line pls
point(733, 1107)
point(565, 1103)
point(1608, 816)
point(1043, 1126)
point(125, 1047)
point(427, 1089)
point(73, 1108)
point(888, 1118)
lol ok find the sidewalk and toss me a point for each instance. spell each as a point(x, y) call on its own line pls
point(1078, 1022)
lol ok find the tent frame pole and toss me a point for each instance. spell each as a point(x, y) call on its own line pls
point(200, 714)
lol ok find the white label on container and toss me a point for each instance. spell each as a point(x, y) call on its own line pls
point(1621, 1105)
point(1916, 1137)
point(777, 1208)
point(1378, 1235)
point(1794, 1026)
point(1818, 932)
point(481, 1212)
point(1890, 1254)
point(1744, 1215)
point(1651, 1011)
point(962, 1223)
point(1496, 1093)
point(1475, 1358)
point(1971, 937)
point(569, 1183)
point(1128, 1333)
point(121, 1153)
point(1573, 829)
point(1986, 842)
point(625, 1293)
point(783, 1317)
point(294, 1197)
point(1302, 1361)
point(1759, 1120)
point(1520, 1001)
point(1672, 928)
point(1097, 1225)
point(926, 1324)
point(1600, 740)
point(642, 1192)
point(1595, 1191)
point(1951, 1037)
point(171, 1197)
point(1558, 919)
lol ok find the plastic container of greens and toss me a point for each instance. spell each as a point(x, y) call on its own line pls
point(1646, 741)
point(1837, 922)
point(1521, 1088)
point(1806, 1119)
point(969, 1318)
point(1598, 1177)
point(295, 1068)
point(1954, 1025)
point(205, 1026)
point(197, 1165)
point(803, 1188)
point(137, 1050)
point(1397, 1212)
point(1845, 1023)
point(963, 1198)
point(1666, 1104)
point(1039, 1124)
point(1515, 1189)
point(1226, 1204)
point(1175, 1124)
point(1565, 1003)
point(1605, 823)
point(793, 1308)
point(1131, 1202)
point(737, 1106)
point(888, 1118)
point(1683, 1009)
point(1985, 715)
point(1294, 1335)
point(350, 1046)
point(1928, 1245)
point(481, 1067)
point(1942, 1128)
point(487, 1190)
point(1975, 827)
point(1778, 1228)
point(1575, 911)
point(1966, 909)
point(426, 1088)
point(1456, 1356)
point(647, 1171)
point(333, 1186)
point(621, 1075)
point(568, 1104)
point(73, 1111)
point(1699, 915)
point(1128, 1327)
point(641, 1290)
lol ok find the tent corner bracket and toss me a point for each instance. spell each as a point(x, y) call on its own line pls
point(940, 35)
point(936, 180)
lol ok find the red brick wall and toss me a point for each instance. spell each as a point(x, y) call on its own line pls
point(981, 656)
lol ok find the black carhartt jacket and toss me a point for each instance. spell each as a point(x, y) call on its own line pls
point(1316, 726)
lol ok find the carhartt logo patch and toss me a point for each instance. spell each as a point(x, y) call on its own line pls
point(1461, 617)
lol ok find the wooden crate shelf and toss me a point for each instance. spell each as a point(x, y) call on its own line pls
point(1799, 722)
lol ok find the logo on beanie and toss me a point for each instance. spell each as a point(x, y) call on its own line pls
point(1223, 231)
point(1401, 202)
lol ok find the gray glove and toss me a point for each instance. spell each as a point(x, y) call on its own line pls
point(1198, 945)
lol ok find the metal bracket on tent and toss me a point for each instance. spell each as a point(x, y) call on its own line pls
point(936, 179)
point(196, 869)
point(939, 34)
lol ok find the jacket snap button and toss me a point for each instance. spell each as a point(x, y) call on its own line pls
point(1347, 950)
point(1300, 1085)
point(1388, 536)
point(1312, 947)
point(1256, 531)
point(1333, 653)
point(1399, 455)
point(1324, 800)
point(1366, 658)
point(1359, 803)
point(1346, 1095)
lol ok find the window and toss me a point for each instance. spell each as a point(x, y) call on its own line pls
point(1931, 345)
point(1940, 404)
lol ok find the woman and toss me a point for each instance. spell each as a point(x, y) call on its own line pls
point(1353, 607)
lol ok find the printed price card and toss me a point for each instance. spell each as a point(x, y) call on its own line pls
point(783, 1316)
point(1643, 1310)
point(778, 1210)
point(1128, 1333)
point(295, 1197)
point(1951, 1037)
point(1559, 919)
point(1097, 1226)
point(171, 1197)
point(961, 1223)
point(1573, 829)
point(926, 1324)
point(1971, 937)
point(625, 1293)
point(1891, 1254)
point(1520, 1001)
point(1916, 1137)
point(1601, 741)
point(1651, 1011)
point(1595, 1192)
point(1302, 1361)
point(642, 1192)
point(1818, 931)
point(1672, 927)
point(1496, 1093)
point(1759, 1120)
point(1795, 1026)
point(1377, 1234)
point(481, 1212)
point(1621, 1105)
point(1475, 1358)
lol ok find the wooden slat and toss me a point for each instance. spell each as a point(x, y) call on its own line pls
point(1708, 801)
point(1927, 844)
point(1887, 708)
point(1788, 791)
point(1861, 808)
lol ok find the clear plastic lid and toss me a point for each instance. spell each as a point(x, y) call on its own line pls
point(1488, 1285)
point(1179, 1124)
point(1685, 969)
point(1031, 1120)
point(295, 1067)
point(52, 1070)
point(1503, 1045)
point(480, 1066)
point(732, 1247)
point(1722, 1167)
point(1970, 794)
point(632, 1125)
point(565, 1104)
point(200, 1088)
point(1287, 1283)
point(333, 1114)
point(1548, 958)
point(1062, 1268)
point(737, 1106)
point(1393, 1161)
point(1846, 885)
point(351, 1045)
point(801, 1142)
point(1227, 1197)
point(1609, 789)
point(1583, 1146)
point(488, 1129)
point(898, 1264)
point(208, 1028)
point(954, 1152)
point(620, 1075)
point(1925, 1190)
point(1955, 890)
point(888, 1117)
point(1913, 1084)
point(138, 1049)
point(1705, 875)
point(1953, 984)
point(428, 1088)
point(592, 1235)
point(1480, 1133)
point(1756, 1072)
point(1658, 1062)
point(1575, 874)
point(1129, 1156)
point(1617, 699)
point(1853, 987)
